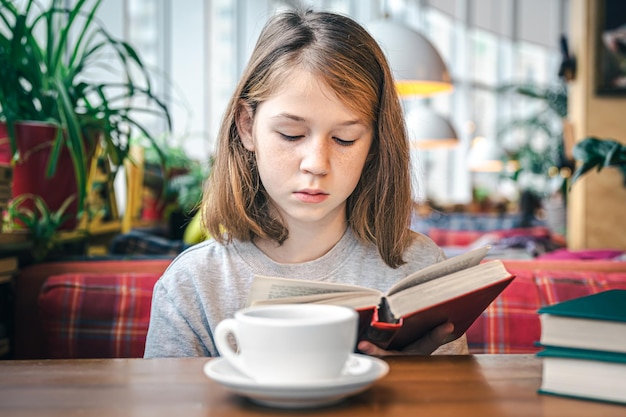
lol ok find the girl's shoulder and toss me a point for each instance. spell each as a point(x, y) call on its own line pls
point(423, 250)
point(420, 240)
point(197, 260)
point(195, 252)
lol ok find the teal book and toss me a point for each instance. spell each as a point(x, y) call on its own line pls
point(584, 374)
point(593, 322)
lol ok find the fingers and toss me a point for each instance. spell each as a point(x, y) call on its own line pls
point(439, 335)
point(431, 341)
point(371, 349)
point(423, 346)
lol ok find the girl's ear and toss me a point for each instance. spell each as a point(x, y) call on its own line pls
point(244, 121)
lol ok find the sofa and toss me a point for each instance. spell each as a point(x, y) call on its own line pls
point(511, 324)
point(84, 308)
point(94, 309)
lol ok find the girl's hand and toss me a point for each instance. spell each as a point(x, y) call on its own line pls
point(423, 346)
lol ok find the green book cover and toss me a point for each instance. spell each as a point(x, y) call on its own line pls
point(585, 354)
point(607, 305)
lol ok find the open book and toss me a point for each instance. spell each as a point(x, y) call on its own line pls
point(458, 290)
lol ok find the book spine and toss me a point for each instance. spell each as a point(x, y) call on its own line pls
point(6, 173)
point(6, 316)
point(5, 193)
point(381, 333)
point(582, 354)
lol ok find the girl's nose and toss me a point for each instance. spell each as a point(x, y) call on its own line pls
point(315, 156)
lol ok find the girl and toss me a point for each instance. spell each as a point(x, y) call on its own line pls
point(311, 180)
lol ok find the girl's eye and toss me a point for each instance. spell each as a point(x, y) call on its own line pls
point(293, 138)
point(290, 138)
point(344, 142)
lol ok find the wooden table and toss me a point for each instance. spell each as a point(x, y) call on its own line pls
point(481, 385)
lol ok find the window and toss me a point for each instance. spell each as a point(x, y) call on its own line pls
point(201, 47)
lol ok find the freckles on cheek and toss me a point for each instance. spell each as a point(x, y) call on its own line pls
point(272, 163)
point(272, 156)
point(352, 165)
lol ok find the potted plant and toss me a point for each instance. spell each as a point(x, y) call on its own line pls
point(599, 153)
point(538, 160)
point(189, 186)
point(539, 146)
point(42, 223)
point(172, 183)
point(49, 58)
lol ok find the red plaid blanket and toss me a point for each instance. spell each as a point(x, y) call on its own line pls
point(511, 323)
point(106, 315)
point(96, 315)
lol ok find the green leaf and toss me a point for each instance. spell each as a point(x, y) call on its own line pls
point(598, 153)
point(47, 52)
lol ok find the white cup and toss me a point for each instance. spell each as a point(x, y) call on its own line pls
point(289, 343)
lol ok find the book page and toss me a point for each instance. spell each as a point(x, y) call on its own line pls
point(269, 288)
point(452, 285)
point(357, 300)
point(439, 269)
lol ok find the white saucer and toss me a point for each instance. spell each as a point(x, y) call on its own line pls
point(305, 395)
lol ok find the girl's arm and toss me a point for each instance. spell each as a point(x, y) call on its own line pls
point(169, 332)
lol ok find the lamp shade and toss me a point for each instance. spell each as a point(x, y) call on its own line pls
point(428, 129)
point(417, 67)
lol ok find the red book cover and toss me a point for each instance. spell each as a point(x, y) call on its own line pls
point(458, 290)
point(462, 311)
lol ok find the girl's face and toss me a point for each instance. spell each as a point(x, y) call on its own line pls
point(310, 150)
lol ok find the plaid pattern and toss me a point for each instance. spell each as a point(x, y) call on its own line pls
point(106, 315)
point(511, 323)
point(88, 315)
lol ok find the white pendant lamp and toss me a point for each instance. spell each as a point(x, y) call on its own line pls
point(418, 68)
point(429, 130)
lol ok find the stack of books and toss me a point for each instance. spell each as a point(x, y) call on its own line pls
point(6, 184)
point(583, 344)
point(8, 268)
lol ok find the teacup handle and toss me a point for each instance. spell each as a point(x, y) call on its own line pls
point(223, 329)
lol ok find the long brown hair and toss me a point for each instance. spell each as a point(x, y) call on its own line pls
point(344, 55)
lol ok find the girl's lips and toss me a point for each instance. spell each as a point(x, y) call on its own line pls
point(310, 197)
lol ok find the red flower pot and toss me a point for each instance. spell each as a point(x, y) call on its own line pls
point(34, 144)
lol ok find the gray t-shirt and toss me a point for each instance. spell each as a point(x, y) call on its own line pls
point(209, 282)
